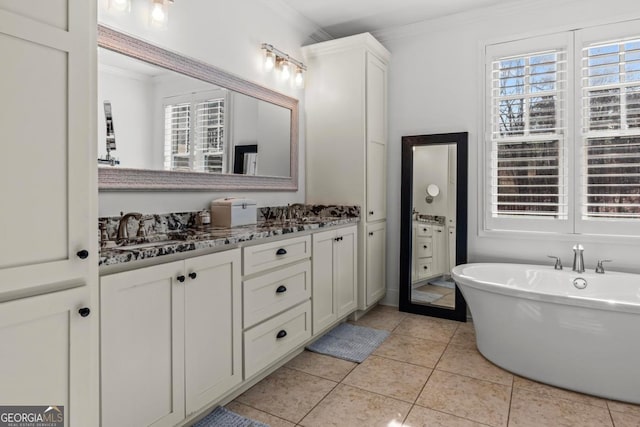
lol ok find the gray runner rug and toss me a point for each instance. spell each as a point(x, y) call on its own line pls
point(222, 417)
point(349, 342)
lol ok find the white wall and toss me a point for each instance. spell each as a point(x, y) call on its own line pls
point(430, 166)
point(226, 34)
point(435, 86)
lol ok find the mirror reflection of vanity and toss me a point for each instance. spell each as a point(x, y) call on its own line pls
point(179, 123)
point(433, 228)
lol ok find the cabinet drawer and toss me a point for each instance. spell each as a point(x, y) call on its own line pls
point(424, 230)
point(424, 247)
point(274, 292)
point(262, 345)
point(424, 268)
point(269, 255)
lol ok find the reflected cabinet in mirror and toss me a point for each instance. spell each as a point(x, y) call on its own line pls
point(169, 122)
point(434, 223)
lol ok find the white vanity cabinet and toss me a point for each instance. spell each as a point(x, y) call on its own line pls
point(171, 339)
point(48, 255)
point(276, 301)
point(346, 118)
point(335, 273)
point(429, 244)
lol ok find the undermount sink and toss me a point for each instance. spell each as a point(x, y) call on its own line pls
point(146, 245)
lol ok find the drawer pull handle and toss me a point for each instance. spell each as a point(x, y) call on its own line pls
point(281, 289)
point(425, 267)
point(83, 254)
point(180, 278)
point(281, 251)
point(281, 334)
point(193, 275)
point(337, 239)
point(84, 311)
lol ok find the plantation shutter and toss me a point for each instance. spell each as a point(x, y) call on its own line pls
point(177, 136)
point(528, 171)
point(209, 136)
point(611, 130)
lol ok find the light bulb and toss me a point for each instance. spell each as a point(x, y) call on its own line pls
point(120, 5)
point(285, 69)
point(158, 13)
point(269, 61)
point(299, 78)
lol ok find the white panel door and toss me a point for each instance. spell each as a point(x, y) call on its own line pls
point(324, 310)
point(47, 116)
point(44, 352)
point(213, 329)
point(142, 346)
point(376, 260)
point(376, 139)
point(345, 261)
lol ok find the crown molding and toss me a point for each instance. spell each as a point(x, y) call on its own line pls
point(298, 20)
point(364, 40)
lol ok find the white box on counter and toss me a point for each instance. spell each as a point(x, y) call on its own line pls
point(232, 212)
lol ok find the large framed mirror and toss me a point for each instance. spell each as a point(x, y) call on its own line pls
point(433, 223)
point(170, 122)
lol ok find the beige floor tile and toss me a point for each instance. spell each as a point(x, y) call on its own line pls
point(388, 377)
point(627, 408)
point(423, 417)
point(621, 419)
point(448, 300)
point(382, 317)
point(287, 394)
point(469, 362)
point(411, 350)
point(350, 406)
point(529, 409)
point(257, 415)
point(551, 392)
point(481, 401)
point(465, 336)
point(430, 328)
point(435, 290)
point(328, 367)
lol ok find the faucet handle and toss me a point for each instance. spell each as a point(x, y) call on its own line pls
point(558, 264)
point(600, 267)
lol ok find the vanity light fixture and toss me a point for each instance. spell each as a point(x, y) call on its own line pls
point(275, 58)
point(159, 12)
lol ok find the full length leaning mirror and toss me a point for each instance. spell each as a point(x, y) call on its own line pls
point(434, 223)
point(177, 123)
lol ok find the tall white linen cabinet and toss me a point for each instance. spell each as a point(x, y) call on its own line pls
point(346, 144)
point(48, 184)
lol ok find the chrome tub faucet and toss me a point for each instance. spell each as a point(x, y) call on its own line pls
point(578, 259)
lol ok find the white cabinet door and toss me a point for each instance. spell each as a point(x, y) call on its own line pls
point(47, 117)
point(213, 330)
point(324, 310)
point(345, 261)
point(439, 250)
point(376, 259)
point(376, 139)
point(142, 346)
point(44, 352)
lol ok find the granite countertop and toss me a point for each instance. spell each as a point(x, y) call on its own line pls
point(206, 237)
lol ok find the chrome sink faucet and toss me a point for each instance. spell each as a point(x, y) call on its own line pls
point(578, 259)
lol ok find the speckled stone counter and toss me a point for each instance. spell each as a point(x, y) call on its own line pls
point(177, 233)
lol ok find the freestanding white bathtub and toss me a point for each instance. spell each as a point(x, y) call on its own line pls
point(533, 321)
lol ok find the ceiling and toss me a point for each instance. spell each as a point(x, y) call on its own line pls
point(342, 18)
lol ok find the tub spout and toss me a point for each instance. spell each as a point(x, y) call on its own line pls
point(578, 259)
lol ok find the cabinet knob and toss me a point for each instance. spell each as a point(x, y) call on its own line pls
point(180, 278)
point(425, 267)
point(439, 231)
point(425, 246)
point(281, 289)
point(84, 311)
point(370, 212)
point(83, 254)
point(281, 251)
point(371, 233)
point(281, 334)
point(193, 275)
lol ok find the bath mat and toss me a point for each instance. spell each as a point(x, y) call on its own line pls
point(223, 417)
point(443, 283)
point(349, 342)
point(423, 296)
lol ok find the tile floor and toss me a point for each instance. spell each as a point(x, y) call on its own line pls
point(427, 373)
